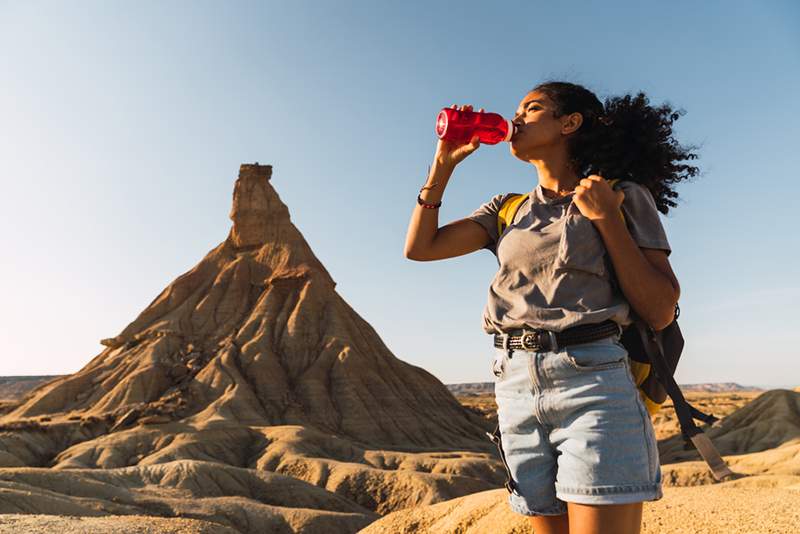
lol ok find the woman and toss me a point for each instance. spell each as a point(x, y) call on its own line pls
point(577, 441)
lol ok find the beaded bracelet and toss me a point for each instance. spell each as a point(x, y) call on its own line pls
point(424, 187)
point(425, 205)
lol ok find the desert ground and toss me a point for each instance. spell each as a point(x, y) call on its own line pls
point(381, 491)
point(249, 397)
point(766, 500)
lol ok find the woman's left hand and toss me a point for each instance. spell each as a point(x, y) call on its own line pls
point(595, 198)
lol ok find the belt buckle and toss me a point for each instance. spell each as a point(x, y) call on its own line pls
point(530, 340)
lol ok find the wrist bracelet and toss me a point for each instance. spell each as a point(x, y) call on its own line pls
point(426, 205)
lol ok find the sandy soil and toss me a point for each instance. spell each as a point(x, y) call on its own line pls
point(48, 524)
point(759, 442)
point(722, 509)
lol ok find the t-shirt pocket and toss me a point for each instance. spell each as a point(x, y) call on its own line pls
point(581, 247)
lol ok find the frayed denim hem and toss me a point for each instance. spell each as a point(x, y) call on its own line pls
point(519, 505)
point(611, 494)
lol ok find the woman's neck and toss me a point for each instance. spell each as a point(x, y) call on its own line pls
point(555, 176)
point(558, 187)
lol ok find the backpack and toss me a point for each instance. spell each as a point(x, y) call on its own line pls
point(653, 358)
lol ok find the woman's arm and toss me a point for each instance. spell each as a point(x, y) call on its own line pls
point(425, 241)
point(644, 274)
point(424, 222)
point(422, 242)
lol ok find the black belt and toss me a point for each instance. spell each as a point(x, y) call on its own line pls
point(545, 340)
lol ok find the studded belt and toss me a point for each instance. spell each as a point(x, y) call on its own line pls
point(539, 340)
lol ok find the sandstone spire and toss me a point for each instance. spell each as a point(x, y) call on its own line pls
point(255, 334)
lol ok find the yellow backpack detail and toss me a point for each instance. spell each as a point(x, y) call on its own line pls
point(508, 210)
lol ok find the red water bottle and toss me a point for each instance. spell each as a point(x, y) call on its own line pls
point(460, 125)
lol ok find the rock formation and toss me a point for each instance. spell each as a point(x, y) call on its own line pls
point(251, 360)
point(256, 333)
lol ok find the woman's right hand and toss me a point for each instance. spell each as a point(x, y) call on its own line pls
point(451, 153)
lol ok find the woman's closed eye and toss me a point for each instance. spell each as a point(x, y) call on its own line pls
point(530, 109)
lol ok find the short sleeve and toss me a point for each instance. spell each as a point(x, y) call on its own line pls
point(486, 216)
point(641, 217)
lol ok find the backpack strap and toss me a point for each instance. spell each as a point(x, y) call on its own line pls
point(508, 210)
point(612, 183)
point(686, 412)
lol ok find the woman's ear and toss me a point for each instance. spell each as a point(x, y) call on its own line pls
point(571, 123)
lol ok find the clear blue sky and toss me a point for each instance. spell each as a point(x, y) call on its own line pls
point(122, 127)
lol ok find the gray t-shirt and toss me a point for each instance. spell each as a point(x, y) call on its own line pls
point(554, 271)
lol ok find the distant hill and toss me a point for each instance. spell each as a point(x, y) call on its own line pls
point(15, 387)
point(471, 388)
point(719, 387)
point(485, 388)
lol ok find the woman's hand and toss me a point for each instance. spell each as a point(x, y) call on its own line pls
point(595, 198)
point(451, 154)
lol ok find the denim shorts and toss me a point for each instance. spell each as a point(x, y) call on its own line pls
point(573, 428)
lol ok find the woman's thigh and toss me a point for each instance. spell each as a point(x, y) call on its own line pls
point(605, 518)
point(592, 519)
point(550, 524)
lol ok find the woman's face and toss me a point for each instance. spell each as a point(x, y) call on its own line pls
point(538, 131)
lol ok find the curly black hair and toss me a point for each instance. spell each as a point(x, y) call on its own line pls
point(624, 138)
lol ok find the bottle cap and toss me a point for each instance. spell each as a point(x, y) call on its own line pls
point(511, 129)
point(441, 124)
